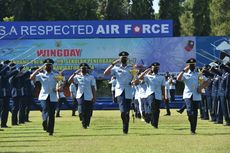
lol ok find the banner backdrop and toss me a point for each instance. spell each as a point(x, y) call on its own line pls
point(171, 53)
point(86, 29)
point(210, 49)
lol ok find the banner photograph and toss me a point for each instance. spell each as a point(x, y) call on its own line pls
point(99, 53)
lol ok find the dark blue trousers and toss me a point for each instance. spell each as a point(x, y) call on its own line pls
point(124, 106)
point(192, 112)
point(59, 105)
point(28, 102)
point(155, 110)
point(48, 115)
point(4, 111)
point(224, 108)
point(14, 110)
point(85, 111)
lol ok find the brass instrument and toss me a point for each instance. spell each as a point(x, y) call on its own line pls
point(134, 71)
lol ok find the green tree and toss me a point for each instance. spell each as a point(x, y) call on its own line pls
point(142, 9)
point(186, 19)
point(220, 17)
point(116, 10)
point(171, 10)
point(201, 17)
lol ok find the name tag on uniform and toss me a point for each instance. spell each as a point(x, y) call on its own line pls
point(44, 77)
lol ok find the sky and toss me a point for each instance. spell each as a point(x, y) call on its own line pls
point(156, 6)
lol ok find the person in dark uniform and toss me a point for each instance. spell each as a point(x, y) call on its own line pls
point(86, 93)
point(17, 93)
point(8, 70)
point(227, 93)
point(48, 94)
point(216, 109)
point(192, 91)
point(123, 89)
point(29, 93)
point(222, 93)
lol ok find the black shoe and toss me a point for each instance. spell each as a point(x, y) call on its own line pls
point(227, 124)
point(50, 133)
point(125, 131)
point(218, 122)
point(15, 124)
point(193, 133)
point(167, 114)
point(44, 124)
point(58, 116)
point(74, 115)
point(179, 111)
point(4, 126)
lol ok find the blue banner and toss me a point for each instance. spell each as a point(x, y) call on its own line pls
point(86, 29)
point(171, 53)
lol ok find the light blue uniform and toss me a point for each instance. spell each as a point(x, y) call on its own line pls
point(123, 92)
point(48, 87)
point(191, 97)
point(191, 85)
point(154, 83)
point(124, 78)
point(85, 84)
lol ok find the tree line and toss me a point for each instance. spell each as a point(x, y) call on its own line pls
point(190, 17)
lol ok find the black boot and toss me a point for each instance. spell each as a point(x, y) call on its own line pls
point(125, 123)
point(192, 125)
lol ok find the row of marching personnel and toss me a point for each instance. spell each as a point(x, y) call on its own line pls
point(214, 104)
point(15, 84)
point(208, 88)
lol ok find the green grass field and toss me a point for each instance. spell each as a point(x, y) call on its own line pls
point(105, 136)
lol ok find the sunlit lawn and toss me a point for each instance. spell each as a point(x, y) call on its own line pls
point(105, 136)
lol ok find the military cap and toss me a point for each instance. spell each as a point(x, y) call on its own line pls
point(48, 61)
point(206, 66)
point(123, 53)
point(12, 64)
point(227, 64)
point(155, 64)
point(84, 65)
point(217, 62)
point(6, 62)
point(191, 61)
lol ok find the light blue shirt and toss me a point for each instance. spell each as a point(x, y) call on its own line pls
point(48, 86)
point(73, 89)
point(123, 77)
point(167, 88)
point(85, 84)
point(154, 82)
point(191, 85)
